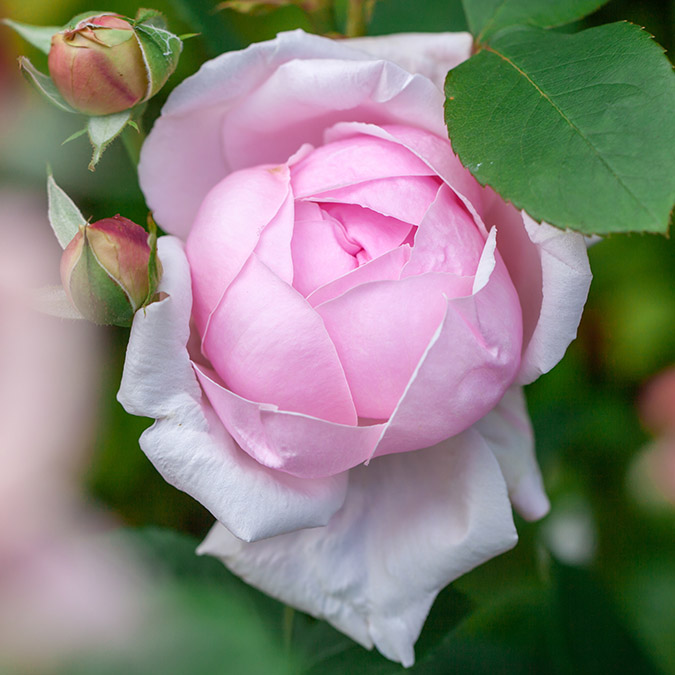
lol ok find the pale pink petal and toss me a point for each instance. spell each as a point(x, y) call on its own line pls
point(381, 330)
point(429, 54)
point(550, 270)
point(410, 525)
point(405, 198)
point(353, 160)
point(374, 233)
point(319, 252)
point(387, 266)
point(470, 362)
point(188, 444)
point(447, 239)
point(508, 432)
point(291, 442)
point(232, 114)
point(269, 345)
point(228, 227)
point(433, 149)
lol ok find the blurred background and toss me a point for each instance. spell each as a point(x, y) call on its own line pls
point(97, 571)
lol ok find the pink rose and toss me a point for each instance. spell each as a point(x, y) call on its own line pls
point(363, 317)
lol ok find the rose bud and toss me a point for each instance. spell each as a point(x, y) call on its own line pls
point(104, 270)
point(105, 64)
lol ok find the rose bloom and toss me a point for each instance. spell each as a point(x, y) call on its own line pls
point(336, 366)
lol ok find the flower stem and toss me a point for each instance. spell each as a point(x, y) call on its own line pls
point(358, 15)
point(132, 140)
point(287, 628)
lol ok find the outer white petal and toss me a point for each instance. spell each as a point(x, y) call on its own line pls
point(411, 523)
point(549, 268)
point(508, 432)
point(188, 444)
point(260, 105)
point(429, 54)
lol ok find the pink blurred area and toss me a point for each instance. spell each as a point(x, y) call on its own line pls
point(62, 590)
point(656, 407)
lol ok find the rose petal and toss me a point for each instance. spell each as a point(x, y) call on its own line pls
point(432, 148)
point(447, 239)
point(508, 432)
point(319, 252)
point(353, 160)
point(470, 362)
point(410, 524)
point(374, 233)
point(228, 227)
point(297, 444)
point(187, 443)
point(387, 266)
point(269, 345)
point(429, 54)
point(381, 330)
point(405, 198)
point(550, 271)
point(228, 116)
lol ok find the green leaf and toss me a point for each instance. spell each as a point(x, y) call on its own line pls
point(38, 36)
point(592, 636)
point(44, 84)
point(486, 17)
point(103, 130)
point(577, 130)
point(64, 217)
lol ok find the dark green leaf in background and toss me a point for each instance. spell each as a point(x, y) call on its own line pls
point(591, 633)
point(578, 130)
point(486, 17)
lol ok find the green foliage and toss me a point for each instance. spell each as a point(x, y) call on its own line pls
point(578, 130)
point(39, 36)
point(487, 17)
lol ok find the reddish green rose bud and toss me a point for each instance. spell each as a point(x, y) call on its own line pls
point(105, 270)
point(106, 63)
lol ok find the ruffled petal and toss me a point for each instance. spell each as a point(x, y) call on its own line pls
point(188, 444)
point(259, 105)
point(410, 525)
point(429, 54)
point(291, 442)
point(550, 270)
point(508, 432)
point(269, 345)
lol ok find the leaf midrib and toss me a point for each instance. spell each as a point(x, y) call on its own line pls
point(575, 128)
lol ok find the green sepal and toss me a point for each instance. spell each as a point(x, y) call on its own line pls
point(65, 218)
point(88, 274)
point(77, 134)
point(104, 129)
point(154, 266)
point(161, 51)
point(151, 17)
point(38, 36)
point(45, 85)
